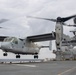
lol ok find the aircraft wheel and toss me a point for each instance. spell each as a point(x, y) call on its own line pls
point(35, 56)
point(4, 54)
point(17, 56)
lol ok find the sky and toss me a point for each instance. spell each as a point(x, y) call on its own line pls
point(21, 26)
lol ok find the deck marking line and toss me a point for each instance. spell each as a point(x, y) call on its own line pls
point(67, 71)
point(25, 65)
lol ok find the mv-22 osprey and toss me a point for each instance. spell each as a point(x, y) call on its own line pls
point(28, 46)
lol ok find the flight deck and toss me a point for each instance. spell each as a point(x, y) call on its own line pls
point(38, 68)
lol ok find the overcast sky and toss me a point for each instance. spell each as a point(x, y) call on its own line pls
point(21, 26)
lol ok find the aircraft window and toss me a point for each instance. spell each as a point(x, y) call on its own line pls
point(11, 39)
point(7, 39)
point(15, 41)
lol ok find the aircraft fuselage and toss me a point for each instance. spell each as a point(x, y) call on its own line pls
point(18, 46)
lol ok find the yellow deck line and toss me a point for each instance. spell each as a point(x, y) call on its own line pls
point(67, 71)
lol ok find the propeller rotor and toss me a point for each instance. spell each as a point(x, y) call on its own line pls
point(54, 20)
point(69, 25)
point(59, 19)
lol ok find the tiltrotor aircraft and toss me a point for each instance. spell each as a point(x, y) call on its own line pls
point(28, 46)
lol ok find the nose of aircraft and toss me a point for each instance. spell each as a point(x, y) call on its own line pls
point(4, 45)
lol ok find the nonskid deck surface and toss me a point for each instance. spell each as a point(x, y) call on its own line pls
point(49, 68)
point(20, 60)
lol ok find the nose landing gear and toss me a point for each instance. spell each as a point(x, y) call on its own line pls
point(5, 54)
point(18, 56)
point(35, 56)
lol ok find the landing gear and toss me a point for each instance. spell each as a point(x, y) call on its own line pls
point(35, 56)
point(18, 56)
point(5, 54)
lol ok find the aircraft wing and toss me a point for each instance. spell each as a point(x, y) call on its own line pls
point(36, 38)
point(42, 37)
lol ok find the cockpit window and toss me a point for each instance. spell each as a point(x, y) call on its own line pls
point(15, 41)
point(11, 39)
point(7, 39)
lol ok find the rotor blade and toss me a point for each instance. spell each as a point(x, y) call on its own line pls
point(69, 25)
point(67, 18)
point(73, 25)
point(54, 20)
point(59, 19)
point(72, 31)
point(1, 27)
point(3, 20)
